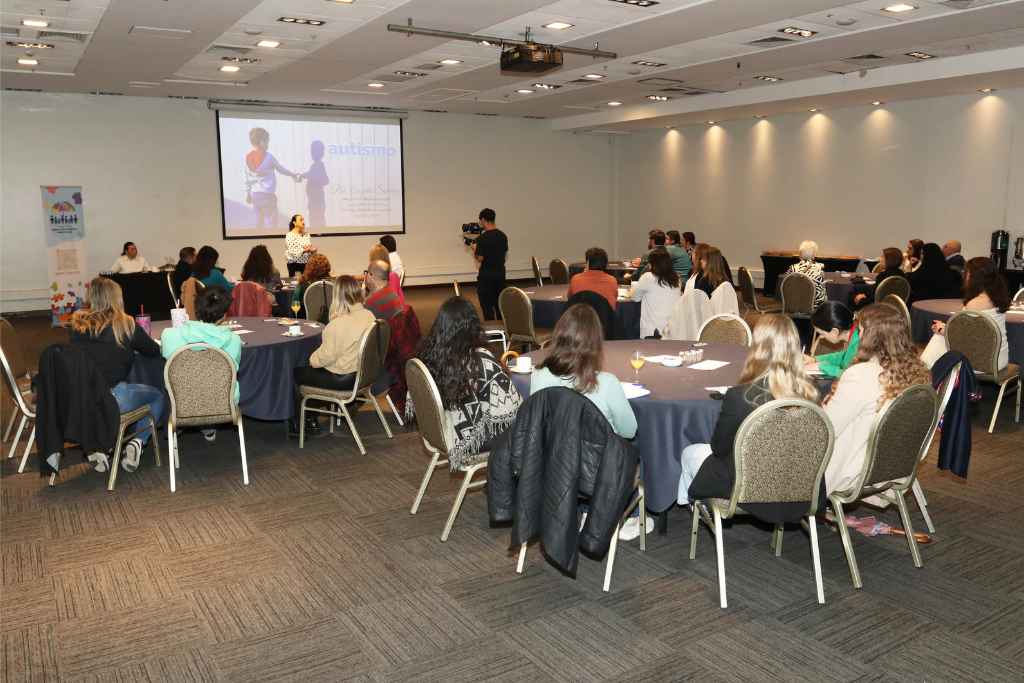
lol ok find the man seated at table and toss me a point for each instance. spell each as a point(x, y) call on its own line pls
point(183, 271)
point(381, 299)
point(211, 306)
point(681, 262)
point(130, 261)
point(951, 250)
point(655, 239)
point(594, 278)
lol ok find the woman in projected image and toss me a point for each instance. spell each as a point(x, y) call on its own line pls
point(261, 168)
point(316, 180)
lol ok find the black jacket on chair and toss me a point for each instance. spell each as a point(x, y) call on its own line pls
point(560, 449)
point(955, 442)
point(74, 403)
point(604, 311)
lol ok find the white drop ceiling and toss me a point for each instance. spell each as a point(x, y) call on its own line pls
point(708, 47)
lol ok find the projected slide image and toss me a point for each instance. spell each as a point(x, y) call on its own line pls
point(343, 176)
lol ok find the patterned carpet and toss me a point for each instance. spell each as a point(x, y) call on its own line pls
point(317, 572)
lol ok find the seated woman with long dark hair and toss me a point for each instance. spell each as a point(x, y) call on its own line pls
point(206, 271)
point(891, 260)
point(933, 279)
point(657, 291)
point(477, 395)
point(259, 268)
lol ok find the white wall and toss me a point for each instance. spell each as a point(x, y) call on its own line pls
point(148, 167)
point(854, 180)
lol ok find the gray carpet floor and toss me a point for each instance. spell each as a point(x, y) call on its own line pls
point(316, 571)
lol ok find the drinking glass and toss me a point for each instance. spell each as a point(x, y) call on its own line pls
point(295, 308)
point(637, 360)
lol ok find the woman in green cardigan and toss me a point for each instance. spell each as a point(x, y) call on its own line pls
point(832, 320)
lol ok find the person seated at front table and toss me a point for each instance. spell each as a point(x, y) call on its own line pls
point(183, 270)
point(985, 291)
point(381, 299)
point(333, 365)
point(379, 252)
point(655, 238)
point(397, 267)
point(206, 271)
point(211, 306)
point(317, 268)
point(951, 250)
point(933, 279)
point(681, 262)
point(111, 338)
point(774, 369)
point(812, 269)
point(892, 259)
point(713, 271)
point(595, 279)
point(657, 291)
point(885, 365)
point(130, 261)
point(834, 322)
point(259, 268)
point(913, 255)
point(700, 252)
point(479, 399)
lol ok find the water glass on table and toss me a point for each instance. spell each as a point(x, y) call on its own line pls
point(637, 360)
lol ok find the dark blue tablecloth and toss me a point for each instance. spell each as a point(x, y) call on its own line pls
point(549, 302)
point(776, 264)
point(841, 289)
point(923, 313)
point(678, 412)
point(265, 381)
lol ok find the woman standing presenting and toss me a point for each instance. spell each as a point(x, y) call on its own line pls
point(298, 245)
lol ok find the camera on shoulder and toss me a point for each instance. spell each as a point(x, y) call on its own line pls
point(470, 232)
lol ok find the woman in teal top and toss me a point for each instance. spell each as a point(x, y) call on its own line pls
point(831, 320)
point(574, 361)
point(205, 271)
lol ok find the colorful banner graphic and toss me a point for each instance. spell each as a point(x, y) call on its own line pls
point(64, 225)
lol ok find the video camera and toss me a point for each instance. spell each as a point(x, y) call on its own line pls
point(470, 233)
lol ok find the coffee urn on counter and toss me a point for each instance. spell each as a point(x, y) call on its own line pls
point(1000, 247)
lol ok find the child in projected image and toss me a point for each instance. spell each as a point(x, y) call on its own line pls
point(316, 180)
point(261, 179)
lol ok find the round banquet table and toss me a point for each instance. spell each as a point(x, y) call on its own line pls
point(549, 302)
point(678, 411)
point(839, 288)
point(265, 383)
point(926, 311)
point(617, 269)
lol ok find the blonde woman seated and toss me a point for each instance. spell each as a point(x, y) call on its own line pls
point(886, 363)
point(812, 269)
point(984, 292)
point(774, 370)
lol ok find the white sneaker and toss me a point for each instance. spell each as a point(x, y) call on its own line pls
point(631, 528)
point(131, 455)
point(209, 434)
point(100, 461)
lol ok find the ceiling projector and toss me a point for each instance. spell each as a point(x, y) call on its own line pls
point(530, 59)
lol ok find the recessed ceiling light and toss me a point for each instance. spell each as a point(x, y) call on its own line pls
point(986, 91)
point(899, 8)
point(28, 61)
point(229, 68)
point(342, 2)
point(486, 43)
point(409, 74)
point(302, 20)
point(546, 86)
point(558, 25)
point(768, 79)
point(797, 31)
point(524, 91)
point(920, 55)
point(450, 62)
point(29, 46)
point(268, 43)
point(614, 103)
point(375, 84)
point(35, 23)
point(877, 103)
point(758, 116)
point(711, 123)
point(646, 62)
point(658, 98)
point(593, 77)
point(813, 109)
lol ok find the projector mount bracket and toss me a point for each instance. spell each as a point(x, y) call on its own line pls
point(410, 30)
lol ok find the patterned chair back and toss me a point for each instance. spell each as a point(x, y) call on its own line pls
point(536, 271)
point(1018, 298)
point(727, 329)
point(879, 267)
point(455, 286)
point(317, 300)
point(747, 292)
point(978, 337)
point(517, 312)
point(797, 294)
point(780, 452)
point(897, 285)
point(190, 288)
point(200, 381)
point(897, 302)
point(429, 409)
point(900, 433)
point(249, 299)
point(558, 271)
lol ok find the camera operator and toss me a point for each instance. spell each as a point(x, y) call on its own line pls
point(490, 250)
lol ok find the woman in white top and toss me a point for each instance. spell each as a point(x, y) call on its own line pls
point(129, 261)
point(700, 252)
point(812, 269)
point(886, 363)
point(985, 292)
point(657, 291)
point(298, 245)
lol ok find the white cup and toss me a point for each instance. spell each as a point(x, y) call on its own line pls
point(294, 330)
point(179, 316)
point(524, 364)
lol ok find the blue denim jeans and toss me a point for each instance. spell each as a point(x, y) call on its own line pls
point(132, 396)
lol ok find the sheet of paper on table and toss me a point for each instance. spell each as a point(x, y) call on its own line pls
point(708, 365)
point(634, 390)
point(720, 390)
point(243, 331)
point(660, 359)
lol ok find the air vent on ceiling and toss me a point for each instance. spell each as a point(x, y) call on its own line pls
point(581, 106)
point(393, 78)
point(539, 118)
point(24, 89)
point(108, 93)
point(441, 94)
point(160, 32)
point(865, 58)
point(183, 97)
point(230, 49)
point(436, 111)
point(688, 91)
point(484, 113)
point(582, 81)
point(65, 35)
point(770, 40)
point(655, 80)
point(428, 67)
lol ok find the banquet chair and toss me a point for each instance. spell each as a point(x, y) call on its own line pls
point(536, 271)
point(879, 267)
point(517, 312)
point(727, 329)
point(688, 316)
point(780, 454)
point(250, 299)
point(558, 271)
point(21, 405)
point(317, 300)
point(372, 351)
point(126, 421)
point(897, 442)
point(900, 286)
point(190, 288)
point(455, 286)
point(200, 381)
point(897, 302)
point(430, 422)
point(1018, 298)
point(977, 336)
point(19, 369)
point(797, 291)
point(401, 280)
point(748, 294)
point(494, 330)
point(170, 287)
point(945, 391)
